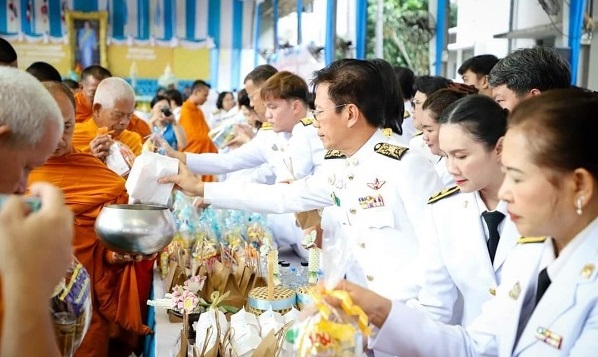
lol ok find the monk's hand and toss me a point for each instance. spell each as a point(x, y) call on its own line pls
point(186, 181)
point(375, 306)
point(36, 247)
point(171, 152)
point(117, 258)
point(100, 146)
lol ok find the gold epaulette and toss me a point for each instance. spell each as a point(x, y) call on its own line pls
point(266, 126)
point(527, 240)
point(418, 133)
point(307, 121)
point(334, 154)
point(444, 193)
point(406, 114)
point(390, 150)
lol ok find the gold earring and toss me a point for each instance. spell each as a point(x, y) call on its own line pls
point(579, 201)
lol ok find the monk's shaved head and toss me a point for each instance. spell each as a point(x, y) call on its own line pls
point(19, 90)
point(112, 89)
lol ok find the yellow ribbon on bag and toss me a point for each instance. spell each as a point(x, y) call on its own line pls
point(347, 306)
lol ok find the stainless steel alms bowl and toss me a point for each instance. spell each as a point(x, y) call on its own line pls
point(135, 229)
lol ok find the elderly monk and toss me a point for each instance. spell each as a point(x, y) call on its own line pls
point(113, 105)
point(88, 186)
point(28, 136)
point(90, 79)
point(194, 123)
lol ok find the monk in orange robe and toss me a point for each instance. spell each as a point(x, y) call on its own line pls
point(194, 123)
point(88, 185)
point(114, 105)
point(90, 79)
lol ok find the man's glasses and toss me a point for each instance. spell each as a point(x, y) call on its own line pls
point(315, 113)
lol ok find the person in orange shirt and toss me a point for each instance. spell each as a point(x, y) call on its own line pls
point(35, 247)
point(88, 185)
point(194, 123)
point(90, 79)
point(114, 103)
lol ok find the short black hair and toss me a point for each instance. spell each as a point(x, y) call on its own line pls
point(406, 79)
point(174, 95)
point(158, 98)
point(97, 72)
point(243, 98)
point(7, 53)
point(198, 84)
point(221, 99)
point(260, 74)
point(540, 68)
point(44, 72)
point(70, 83)
point(430, 84)
point(480, 65)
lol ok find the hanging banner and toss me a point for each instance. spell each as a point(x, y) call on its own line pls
point(55, 54)
point(150, 61)
point(191, 63)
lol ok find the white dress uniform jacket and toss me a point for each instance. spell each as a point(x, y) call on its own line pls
point(379, 192)
point(564, 323)
point(455, 259)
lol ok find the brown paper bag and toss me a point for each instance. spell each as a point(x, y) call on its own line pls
point(175, 276)
point(308, 219)
point(268, 347)
point(222, 281)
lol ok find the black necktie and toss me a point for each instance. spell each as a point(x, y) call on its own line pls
point(493, 219)
point(543, 284)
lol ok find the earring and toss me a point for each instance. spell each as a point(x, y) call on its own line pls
point(579, 201)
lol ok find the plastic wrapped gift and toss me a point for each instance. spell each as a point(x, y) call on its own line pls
point(120, 158)
point(71, 308)
point(142, 184)
point(331, 331)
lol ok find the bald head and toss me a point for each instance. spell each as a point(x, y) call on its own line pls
point(113, 104)
point(8, 55)
point(29, 134)
point(111, 89)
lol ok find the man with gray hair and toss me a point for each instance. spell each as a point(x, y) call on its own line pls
point(35, 247)
point(527, 72)
point(113, 106)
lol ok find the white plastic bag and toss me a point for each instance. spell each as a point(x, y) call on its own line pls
point(142, 183)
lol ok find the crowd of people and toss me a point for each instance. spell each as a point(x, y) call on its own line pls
point(469, 208)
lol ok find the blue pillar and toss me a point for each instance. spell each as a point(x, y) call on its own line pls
point(299, 24)
point(169, 19)
point(55, 18)
point(275, 23)
point(214, 32)
point(143, 19)
point(575, 25)
point(85, 5)
point(237, 43)
point(257, 24)
point(440, 26)
point(329, 46)
point(190, 19)
point(361, 18)
point(3, 16)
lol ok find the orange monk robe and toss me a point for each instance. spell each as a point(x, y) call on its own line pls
point(139, 126)
point(88, 185)
point(83, 109)
point(85, 132)
point(196, 129)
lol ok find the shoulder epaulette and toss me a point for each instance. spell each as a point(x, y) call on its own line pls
point(334, 154)
point(527, 240)
point(406, 114)
point(442, 194)
point(266, 126)
point(418, 133)
point(307, 121)
point(390, 150)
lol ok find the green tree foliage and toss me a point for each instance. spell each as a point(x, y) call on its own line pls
point(408, 28)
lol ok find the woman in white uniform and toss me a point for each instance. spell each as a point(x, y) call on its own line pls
point(469, 232)
point(375, 187)
point(432, 109)
point(547, 303)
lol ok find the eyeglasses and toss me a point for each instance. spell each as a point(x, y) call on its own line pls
point(315, 113)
